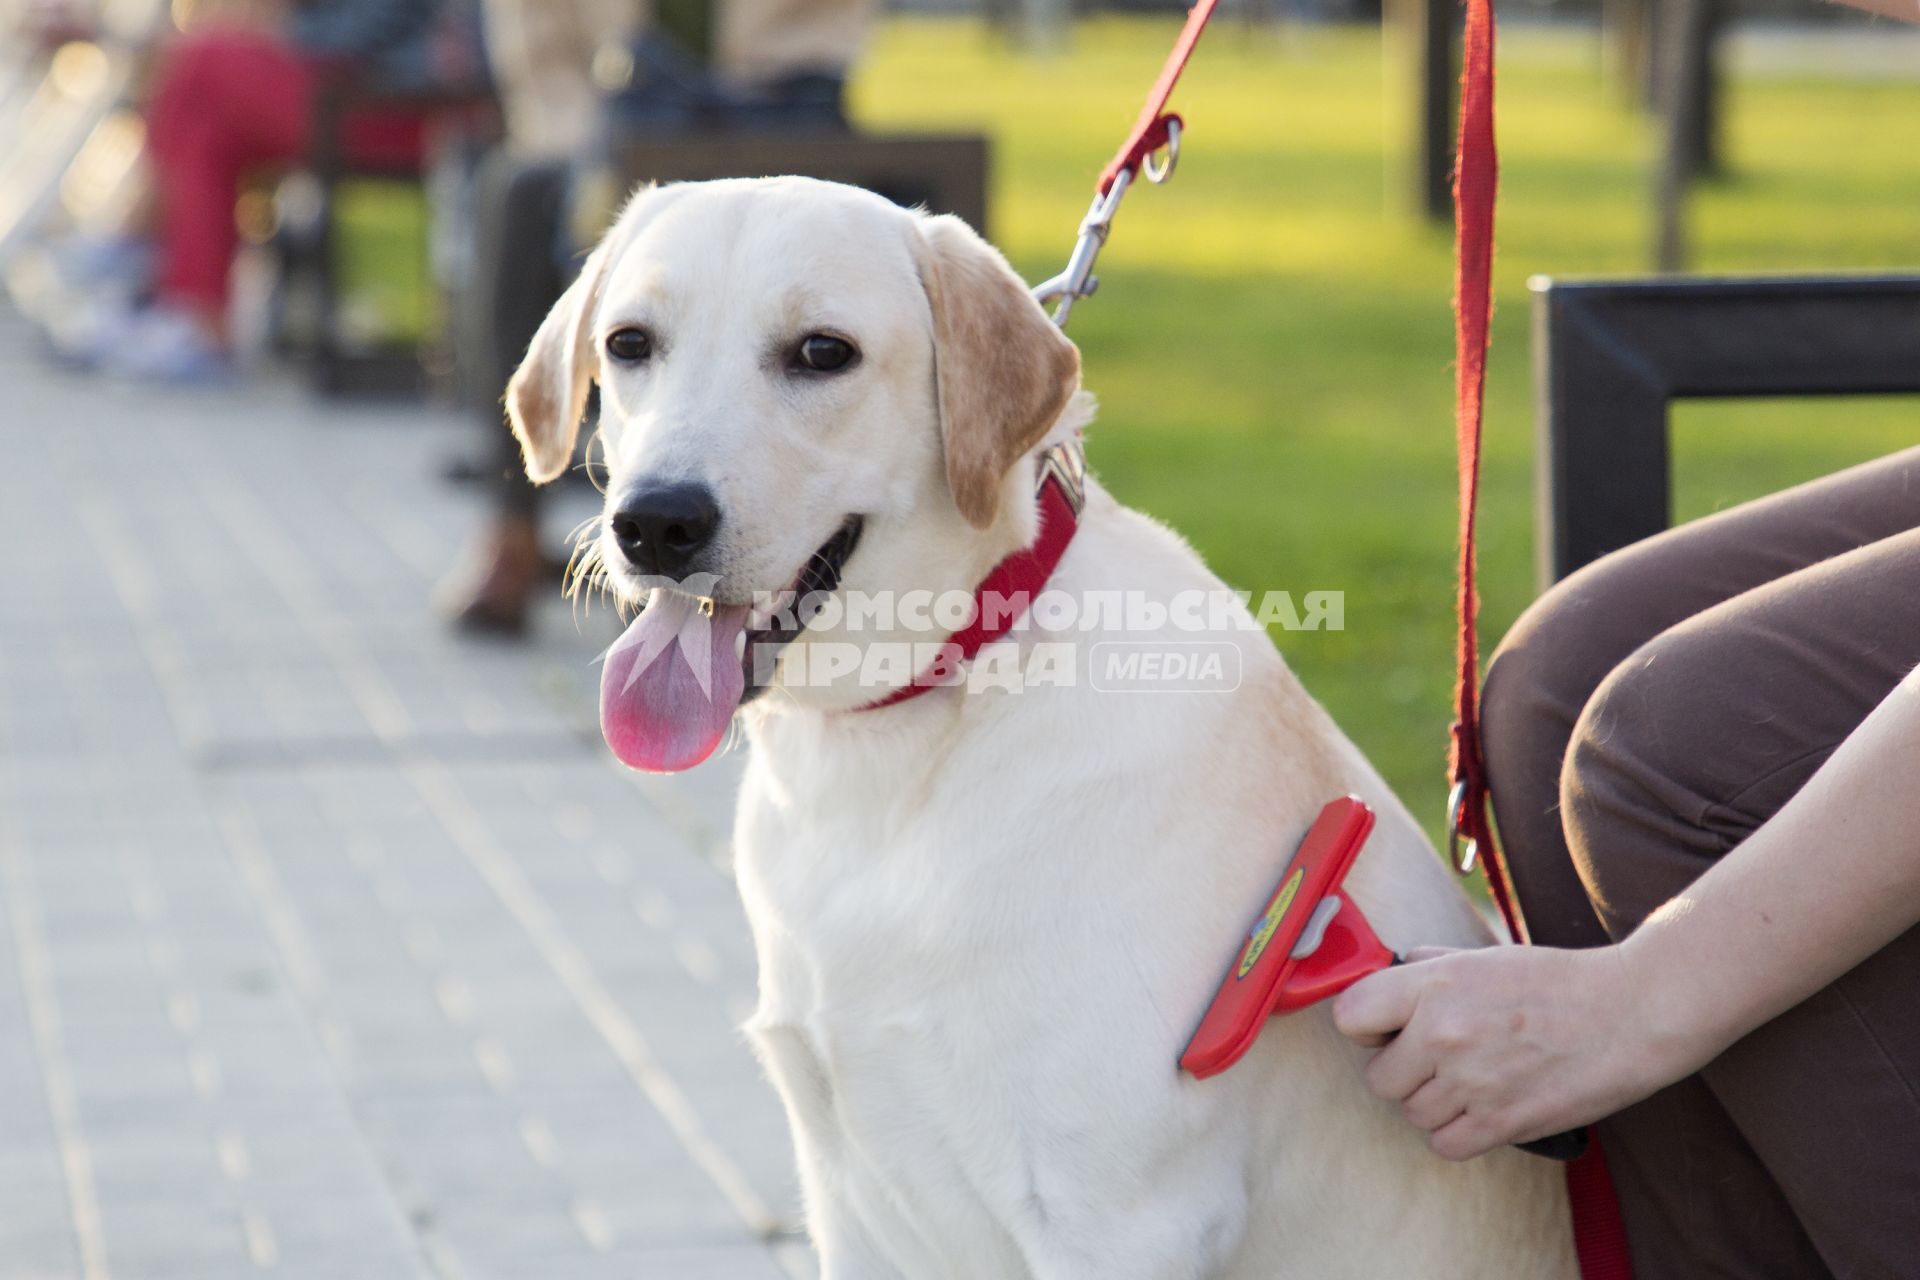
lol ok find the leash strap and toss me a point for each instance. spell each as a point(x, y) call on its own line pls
point(1476, 178)
point(1599, 1236)
point(1152, 148)
point(1149, 132)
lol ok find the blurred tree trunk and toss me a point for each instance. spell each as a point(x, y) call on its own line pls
point(1686, 94)
point(1426, 51)
point(1263, 13)
point(1044, 23)
point(1696, 97)
point(999, 16)
point(1627, 31)
point(1637, 36)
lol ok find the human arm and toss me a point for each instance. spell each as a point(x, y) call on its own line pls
point(1511, 1043)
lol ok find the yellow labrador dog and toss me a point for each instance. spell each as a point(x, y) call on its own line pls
point(988, 918)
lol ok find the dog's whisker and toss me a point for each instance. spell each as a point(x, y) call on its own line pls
point(580, 566)
point(586, 573)
point(586, 461)
point(581, 561)
point(782, 691)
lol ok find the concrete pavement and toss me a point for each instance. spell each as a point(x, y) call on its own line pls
point(331, 946)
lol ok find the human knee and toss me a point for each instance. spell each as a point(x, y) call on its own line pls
point(1538, 679)
point(1638, 783)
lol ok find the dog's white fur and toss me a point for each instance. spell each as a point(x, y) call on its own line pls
point(987, 923)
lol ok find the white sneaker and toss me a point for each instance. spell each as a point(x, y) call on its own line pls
point(156, 343)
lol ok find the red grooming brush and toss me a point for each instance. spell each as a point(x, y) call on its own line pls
point(1309, 943)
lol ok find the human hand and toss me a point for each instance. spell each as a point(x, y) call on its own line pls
point(1507, 1044)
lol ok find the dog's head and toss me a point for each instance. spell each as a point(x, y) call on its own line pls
point(803, 387)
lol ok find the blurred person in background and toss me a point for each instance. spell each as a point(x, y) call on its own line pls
point(574, 77)
point(233, 94)
point(543, 54)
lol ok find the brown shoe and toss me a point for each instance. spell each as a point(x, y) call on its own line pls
point(489, 592)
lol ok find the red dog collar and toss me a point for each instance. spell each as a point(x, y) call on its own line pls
point(1015, 581)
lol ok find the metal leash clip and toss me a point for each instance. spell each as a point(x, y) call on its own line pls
point(1077, 280)
point(1065, 463)
point(1464, 860)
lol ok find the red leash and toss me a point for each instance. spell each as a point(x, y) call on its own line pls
point(1599, 1237)
point(1155, 130)
point(1150, 129)
point(1476, 178)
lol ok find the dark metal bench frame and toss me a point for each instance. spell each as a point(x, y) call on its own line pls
point(1609, 356)
point(949, 172)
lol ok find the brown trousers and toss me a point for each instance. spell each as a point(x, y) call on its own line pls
point(1645, 716)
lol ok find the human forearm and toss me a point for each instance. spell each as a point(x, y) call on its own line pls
point(1832, 878)
point(1507, 1043)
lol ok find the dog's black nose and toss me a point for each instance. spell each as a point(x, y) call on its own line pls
point(662, 527)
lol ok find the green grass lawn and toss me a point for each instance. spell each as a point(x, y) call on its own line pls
point(1272, 343)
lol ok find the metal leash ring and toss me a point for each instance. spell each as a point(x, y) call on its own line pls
point(1464, 860)
point(1157, 173)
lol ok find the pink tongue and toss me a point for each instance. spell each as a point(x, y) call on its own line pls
point(671, 683)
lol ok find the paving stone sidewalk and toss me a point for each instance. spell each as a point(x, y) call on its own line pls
point(332, 946)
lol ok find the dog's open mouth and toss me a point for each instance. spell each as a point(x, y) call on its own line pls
point(789, 613)
point(672, 682)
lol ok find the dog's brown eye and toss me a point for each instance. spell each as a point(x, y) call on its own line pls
point(824, 353)
point(629, 345)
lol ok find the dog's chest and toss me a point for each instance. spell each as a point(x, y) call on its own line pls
point(893, 1102)
point(900, 963)
point(960, 1004)
point(881, 1127)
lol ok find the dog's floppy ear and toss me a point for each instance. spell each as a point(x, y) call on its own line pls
point(547, 395)
point(1003, 371)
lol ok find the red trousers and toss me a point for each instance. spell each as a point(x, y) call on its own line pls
point(227, 103)
point(224, 103)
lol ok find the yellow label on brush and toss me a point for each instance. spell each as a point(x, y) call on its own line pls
point(1263, 929)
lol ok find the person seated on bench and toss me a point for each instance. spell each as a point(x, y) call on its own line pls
point(568, 85)
point(235, 93)
point(1704, 757)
